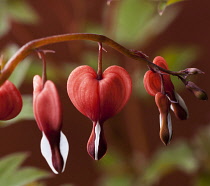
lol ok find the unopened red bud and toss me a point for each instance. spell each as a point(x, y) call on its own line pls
point(197, 91)
point(48, 114)
point(163, 105)
point(152, 80)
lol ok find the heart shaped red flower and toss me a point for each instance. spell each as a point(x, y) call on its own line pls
point(99, 99)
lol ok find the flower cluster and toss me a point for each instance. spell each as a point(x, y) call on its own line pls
point(159, 84)
point(99, 96)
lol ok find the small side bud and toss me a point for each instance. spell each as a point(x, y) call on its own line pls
point(198, 92)
point(192, 71)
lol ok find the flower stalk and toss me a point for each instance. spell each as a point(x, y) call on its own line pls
point(29, 47)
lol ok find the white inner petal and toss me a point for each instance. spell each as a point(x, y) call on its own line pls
point(46, 151)
point(160, 118)
point(181, 102)
point(64, 149)
point(97, 138)
point(172, 108)
point(169, 125)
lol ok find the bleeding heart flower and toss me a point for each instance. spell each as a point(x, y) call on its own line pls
point(159, 84)
point(11, 101)
point(99, 99)
point(48, 114)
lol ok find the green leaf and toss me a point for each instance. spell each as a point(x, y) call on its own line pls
point(12, 175)
point(17, 10)
point(25, 114)
point(21, 11)
point(136, 24)
point(178, 156)
point(163, 4)
point(170, 2)
point(25, 176)
point(130, 20)
point(10, 164)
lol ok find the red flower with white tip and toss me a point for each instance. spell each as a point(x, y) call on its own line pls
point(11, 101)
point(99, 99)
point(48, 115)
point(159, 84)
point(163, 105)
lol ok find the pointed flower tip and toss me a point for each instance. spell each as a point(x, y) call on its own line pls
point(179, 107)
point(193, 71)
point(96, 146)
point(11, 101)
point(197, 91)
point(165, 136)
point(163, 105)
point(165, 129)
point(55, 154)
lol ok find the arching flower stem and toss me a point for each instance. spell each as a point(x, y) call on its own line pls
point(100, 51)
point(41, 54)
point(29, 47)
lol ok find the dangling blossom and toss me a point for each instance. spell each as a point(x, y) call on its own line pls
point(159, 84)
point(48, 115)
point(99, 99)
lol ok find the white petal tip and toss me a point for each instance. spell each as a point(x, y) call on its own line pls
point(47, 152)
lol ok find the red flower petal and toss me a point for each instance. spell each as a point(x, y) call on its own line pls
point(11, 101)
point(152, 80)
point(47, 106)
point(99, 99)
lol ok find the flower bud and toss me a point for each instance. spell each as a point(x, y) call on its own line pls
point(179, 107)
point(198, 92)
point(192, 71)
point(48, 115)
point(152, 80)
point(11, 101)
point(163, 105)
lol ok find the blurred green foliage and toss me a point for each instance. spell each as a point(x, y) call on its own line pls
point(191, 157)
point(163, 4)
point(136, 22)
point(18, 11)
point(11, 174)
